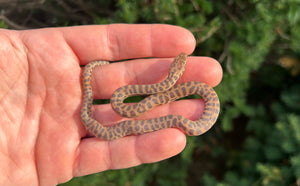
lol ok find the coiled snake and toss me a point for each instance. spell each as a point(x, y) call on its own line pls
point(161, 93)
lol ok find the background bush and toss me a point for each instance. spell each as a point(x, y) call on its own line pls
point(256, 140)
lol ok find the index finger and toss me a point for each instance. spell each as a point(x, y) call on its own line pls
point(124, 41)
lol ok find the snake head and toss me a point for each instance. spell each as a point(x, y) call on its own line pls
point(177, 66)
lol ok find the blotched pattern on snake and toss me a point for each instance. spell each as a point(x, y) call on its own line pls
point(159, 93)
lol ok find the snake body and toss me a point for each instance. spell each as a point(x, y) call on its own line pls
point(161, 93)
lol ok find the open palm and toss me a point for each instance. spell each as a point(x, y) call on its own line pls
point(42, 139)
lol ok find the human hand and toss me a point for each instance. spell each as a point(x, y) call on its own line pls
point(42, 138)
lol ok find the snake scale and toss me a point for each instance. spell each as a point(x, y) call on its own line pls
point(159, 93)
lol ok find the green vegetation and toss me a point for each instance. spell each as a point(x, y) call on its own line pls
point(257, 138)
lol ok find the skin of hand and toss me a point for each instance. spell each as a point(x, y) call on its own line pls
point(42, 138)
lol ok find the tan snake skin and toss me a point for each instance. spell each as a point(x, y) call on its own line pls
point(161, 93)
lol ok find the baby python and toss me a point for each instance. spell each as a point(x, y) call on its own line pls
point(159, 93)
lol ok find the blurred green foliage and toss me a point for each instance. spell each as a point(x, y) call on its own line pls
point(256, 140)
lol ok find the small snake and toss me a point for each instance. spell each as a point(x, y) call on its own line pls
point(161, 93)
